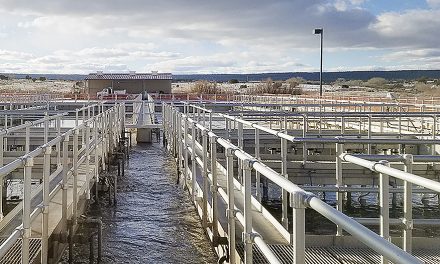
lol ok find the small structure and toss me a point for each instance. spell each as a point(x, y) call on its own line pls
point(132, 82)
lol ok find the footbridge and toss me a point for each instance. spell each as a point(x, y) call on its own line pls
point(54, 151)
point(315, 157)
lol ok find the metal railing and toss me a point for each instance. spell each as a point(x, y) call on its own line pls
point(184, 135)
point(98, 130)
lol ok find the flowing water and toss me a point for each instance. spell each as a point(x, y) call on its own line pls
point(154, 220)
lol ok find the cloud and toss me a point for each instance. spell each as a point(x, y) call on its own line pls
point(434, 3)
point(8, 55)
point(414, 28)
point(209, 36)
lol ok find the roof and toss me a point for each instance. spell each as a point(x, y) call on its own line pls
point(129, 76)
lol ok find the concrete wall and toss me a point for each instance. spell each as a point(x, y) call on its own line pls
point(132, 86)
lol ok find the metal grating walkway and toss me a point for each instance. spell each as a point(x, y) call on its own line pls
point(14, 254)
point(337, 255)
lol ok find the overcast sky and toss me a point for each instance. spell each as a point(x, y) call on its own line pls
point(207, 36)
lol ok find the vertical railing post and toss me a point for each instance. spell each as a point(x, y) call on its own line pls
point(434, 134)
point(304, 135)
point(384, 193)
point(1, 179)
point(299, 227)
point(96, 154)
point(339, 183)
point(64, 184)
point(46, 191)
point(205, 178)
point(28, 138)
point(46, 130)
point(58, 146)
point(75, 175)
point(87, 153)
point(83, 113)
point(104, 132)
point(193, 161)
point(407, 206)
point(369, 134)
point(247, 234)
point(185, 149)
point(214, 188)
point(257, 173)
point(28, 164)
point(284, 194)
point(179, 143)
point(240, 146)
point(230, 213)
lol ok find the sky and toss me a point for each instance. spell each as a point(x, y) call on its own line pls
point(207, 36)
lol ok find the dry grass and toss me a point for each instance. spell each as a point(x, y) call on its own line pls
point(271, 87)
point(205, 87)
point(427, 89)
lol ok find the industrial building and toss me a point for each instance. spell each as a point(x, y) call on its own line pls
point(132, 82)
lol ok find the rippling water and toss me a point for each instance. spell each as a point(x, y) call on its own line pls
point(154, 220)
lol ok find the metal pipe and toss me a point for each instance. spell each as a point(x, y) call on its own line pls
point(230, 213)
point(28, 163)
point(405, 176)
point(247, 228)
point(214, 188)
point(384, 203)
point(205, 179)
point(193, 162)
point(45, 211)
point(64, 185)
point(407, 206)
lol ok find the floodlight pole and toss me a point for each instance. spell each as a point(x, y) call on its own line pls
point(320, 70)
point(320, 31)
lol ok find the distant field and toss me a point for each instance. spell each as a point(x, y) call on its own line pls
point(29, 86)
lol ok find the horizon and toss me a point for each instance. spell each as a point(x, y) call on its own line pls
point(394, 75)
point(195, 37)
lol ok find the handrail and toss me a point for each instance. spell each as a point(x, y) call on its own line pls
point(26, 160)
point(405, 176)
point(328, 139)
point(304, 198)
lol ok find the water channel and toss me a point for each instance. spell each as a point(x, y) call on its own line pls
point(154, 221)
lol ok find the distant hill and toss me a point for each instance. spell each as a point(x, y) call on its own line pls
point(68, 77)
point(314, 76)
point(311, 76)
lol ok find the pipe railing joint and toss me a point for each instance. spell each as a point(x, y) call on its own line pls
point(231, 213)
point(300, 200)
point(381, 162)
point(248, 164)
point(44, 209)
point(20, 230)
point(28, 161)
point(407, 224)
point(214, 189)
point(408, 158)
point(48, 150)
point(213, 137)
point(230, 151)
point(249, 238)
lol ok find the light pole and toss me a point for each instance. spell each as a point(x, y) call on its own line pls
point(320, 31)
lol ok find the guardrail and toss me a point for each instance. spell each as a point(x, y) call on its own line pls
point(99, 131)
point(180, 128)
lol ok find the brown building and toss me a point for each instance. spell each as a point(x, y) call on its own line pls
point(133, 83)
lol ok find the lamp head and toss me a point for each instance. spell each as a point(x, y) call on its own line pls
point(318, 31)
